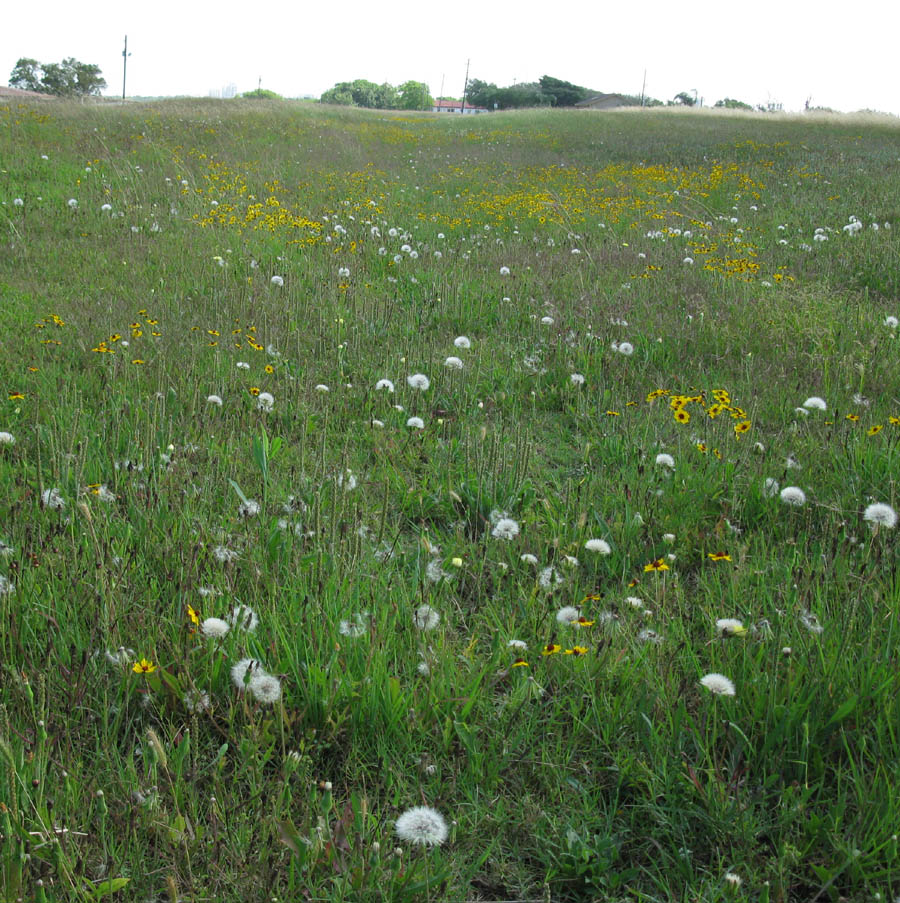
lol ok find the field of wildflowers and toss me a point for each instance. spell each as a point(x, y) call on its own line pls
point(414, 508)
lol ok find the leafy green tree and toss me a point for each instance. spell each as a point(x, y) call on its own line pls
point(364, 93)
point(481, 94)
point(70, 78)
point(563, 94)
point(524, 94)
point(386, 97)
point(88, 78)
point(729, 103)
point(415, 96)
point(684, 99)
point(27, 75)
point(261, 94)
point(341, 95)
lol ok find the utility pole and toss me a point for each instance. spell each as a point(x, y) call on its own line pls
point(643, 87)
point(125, 55)
point(442, 88)
point(465, 88)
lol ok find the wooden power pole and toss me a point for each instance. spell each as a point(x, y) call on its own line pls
point(125, 55)
point(465, 87)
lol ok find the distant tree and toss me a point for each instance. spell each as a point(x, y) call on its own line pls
point(27, 76)
point(481, 94)
point(683, 98)
point(341, 95)
point(524, 94)
point(386, 97)
point(635, 100)
point(88, 78)
point(729, 103)
point(70, 78)
point(415, 96)
point(363, 93)
point(261, 94)
point(563, 94)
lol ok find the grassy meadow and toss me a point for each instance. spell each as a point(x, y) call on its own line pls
point(539, 469)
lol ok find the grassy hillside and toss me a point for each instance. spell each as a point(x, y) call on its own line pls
point(536, 468)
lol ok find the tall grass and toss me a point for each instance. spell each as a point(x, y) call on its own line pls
point(591, 764)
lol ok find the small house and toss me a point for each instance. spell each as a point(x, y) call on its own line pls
point(455, 106)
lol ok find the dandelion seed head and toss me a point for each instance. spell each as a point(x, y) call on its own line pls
point(664, 460)
point(248, 508)
point(718, 684)
point(266, 688)
point(505, 528)
point(196, 701)
point(811, 622)
point(528, 558)
point(104, 493)
point(384, 385)
point(729, 627)
point(416, 423)
point(879, 514)
point(418, 381)
point(794, 496)
point(568, 614)
point(214, 400)
point(549, 579)
point(214, 627)
point(598, 545)
point(354, 627)
point(814, 403)
point(770, 487)
point(434, 572)
point(453, 363)
point(242, 672)
point(265, 401)
point(277, 281)
point(244, 617)
point(577, 379)
point(462, 341)
point(52, 498)
point(426, 618)
point(422, 826)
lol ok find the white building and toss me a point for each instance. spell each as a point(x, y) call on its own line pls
point(454, 106)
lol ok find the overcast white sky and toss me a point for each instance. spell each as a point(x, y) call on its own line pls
point(841, 55)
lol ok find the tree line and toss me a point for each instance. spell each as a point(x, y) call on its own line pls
point(411, 95)
point(70, 78)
